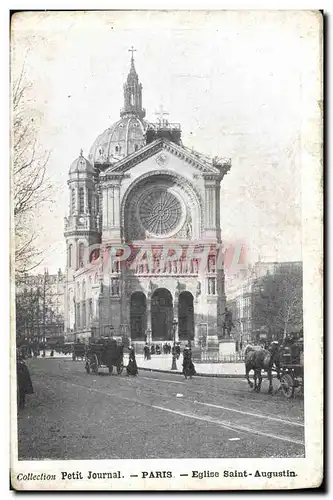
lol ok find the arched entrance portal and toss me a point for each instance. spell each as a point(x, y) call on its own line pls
point(186, 316)
point(161, 314)
point(138, 315)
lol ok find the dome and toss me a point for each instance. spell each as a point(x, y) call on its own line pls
point(121, 139)
point(81, 164)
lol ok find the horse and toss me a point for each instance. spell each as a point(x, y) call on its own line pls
point(257, 359)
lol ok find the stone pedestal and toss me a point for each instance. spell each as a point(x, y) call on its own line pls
point(227, 346)
point(212, 343)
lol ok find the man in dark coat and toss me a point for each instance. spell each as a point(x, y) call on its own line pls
point(146, 351)
point(24, 384)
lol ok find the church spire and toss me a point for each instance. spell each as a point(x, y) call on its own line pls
point(132, 92)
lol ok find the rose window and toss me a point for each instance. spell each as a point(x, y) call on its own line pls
point(160, 212)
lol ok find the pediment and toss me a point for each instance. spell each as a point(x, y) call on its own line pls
point(199, 162)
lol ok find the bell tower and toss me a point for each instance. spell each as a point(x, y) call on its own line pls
point(133, 93)
point(82, 226)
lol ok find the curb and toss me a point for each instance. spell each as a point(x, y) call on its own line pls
point(174, 372)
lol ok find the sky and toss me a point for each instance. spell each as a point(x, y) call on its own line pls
point(241, 83)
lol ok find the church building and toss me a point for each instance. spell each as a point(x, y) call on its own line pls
point(143, 209)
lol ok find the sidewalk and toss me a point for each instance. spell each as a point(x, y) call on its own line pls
point(162, 363)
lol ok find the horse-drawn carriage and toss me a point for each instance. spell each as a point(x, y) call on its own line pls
point(104, 353)
point(291, 368)
point(79, 351)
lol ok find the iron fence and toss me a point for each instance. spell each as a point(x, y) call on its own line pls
point(215, 357)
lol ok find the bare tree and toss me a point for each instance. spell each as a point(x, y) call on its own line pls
point(278, 306)
point(30, 186)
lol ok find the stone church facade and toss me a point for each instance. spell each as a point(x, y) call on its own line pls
point(143, 209)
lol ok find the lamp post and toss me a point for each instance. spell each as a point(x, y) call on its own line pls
point(174, 328)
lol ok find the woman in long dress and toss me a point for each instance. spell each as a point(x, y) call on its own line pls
point(132, 368)
point(24, 384)
point(188, 366)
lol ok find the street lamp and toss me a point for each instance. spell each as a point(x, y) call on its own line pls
point(174, 328)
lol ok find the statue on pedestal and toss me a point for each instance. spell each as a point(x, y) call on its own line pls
point(227, 323)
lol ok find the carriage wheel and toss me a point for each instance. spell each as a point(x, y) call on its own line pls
point(94, 364)
point(120, 368)
point(287, 385)
point(87, 367)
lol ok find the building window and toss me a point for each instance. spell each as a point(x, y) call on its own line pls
point(136, 147)
point(84, 313)
point(81, 255)
point(211, 264)
point(81, 200)
point(117, 149)
point(115, 287)
point(70, 250)
point(78, 319)
point(211, 286)
point(73, 201)
point(89, 200)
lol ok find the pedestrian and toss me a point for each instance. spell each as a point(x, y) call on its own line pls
point(24, 384)
point(132, 368)
point(152, 349)
point(178, 350)
point(188, 366)
point(146, 352)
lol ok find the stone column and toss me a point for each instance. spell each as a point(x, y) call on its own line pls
point(105, 207)
point(111, 206)
point(149, 331)
point(212, 206)
point(175, 314)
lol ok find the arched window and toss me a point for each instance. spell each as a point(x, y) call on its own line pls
point(73, 201)
point(97, 204)
point(84, 314)
point(84, 290)
point(81, 255)
point(136, 147)
point(70, 250)
point(81, 200)
point(89, 200)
